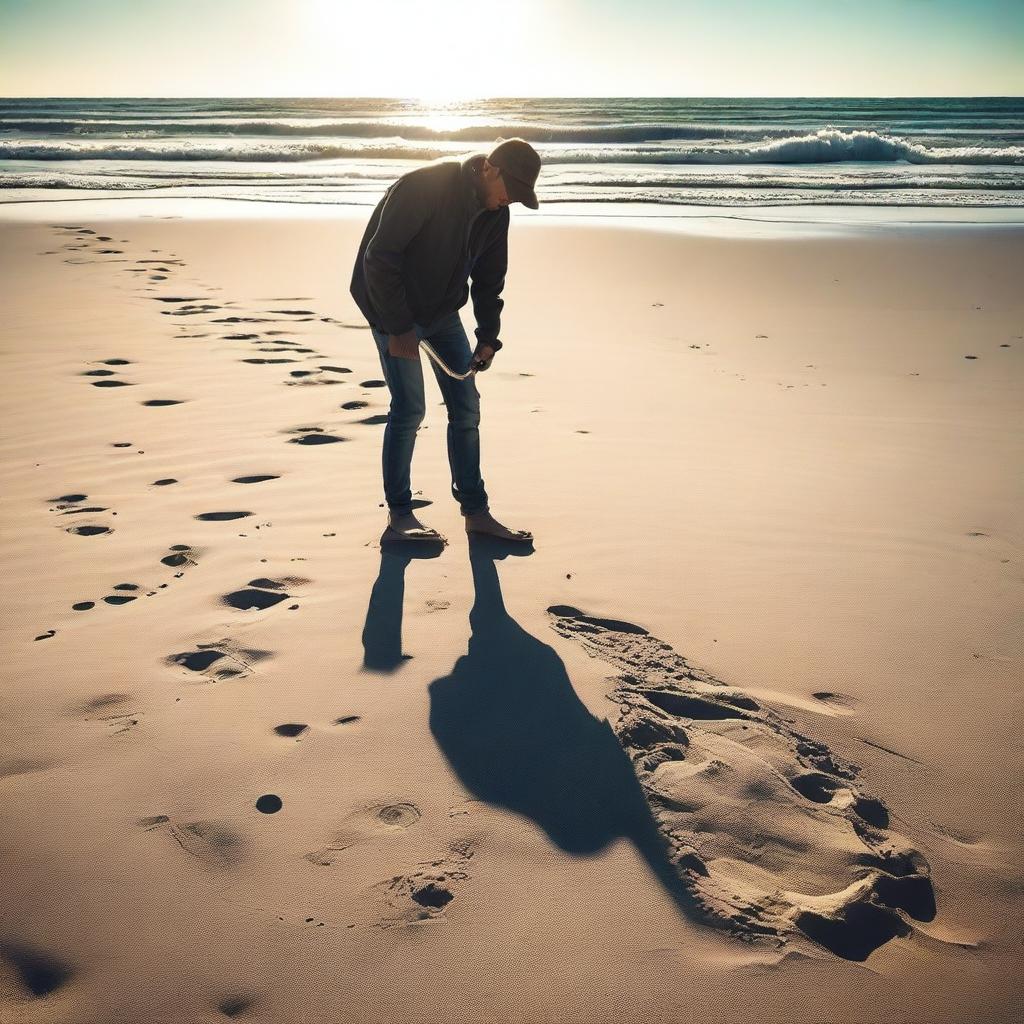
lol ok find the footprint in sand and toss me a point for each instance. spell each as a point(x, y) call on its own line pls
point(767, 828)
point(122, 597)
point(180, 556)
point(312, 436)
point(221, 517)
point(89, 530)
point(424, 894)
point(357, 404)
point(216, 843)
point(10, 767)
point(307, 378)
point(67, 500)
point(842, 701)
point(112, 384)
point(126, 593)
point(219, 659)
point(31, 972)
point(263, 593)
point(114, 710)
point(291, 730)
point(235, 1006)
point(160, 402)
point(254, 479)
point(371, 822)
point(190, 309)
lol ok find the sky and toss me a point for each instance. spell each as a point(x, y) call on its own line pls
point(457, 49)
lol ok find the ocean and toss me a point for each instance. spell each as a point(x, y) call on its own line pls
point(668, 152)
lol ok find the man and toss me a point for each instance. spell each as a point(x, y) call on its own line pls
point(435, 228)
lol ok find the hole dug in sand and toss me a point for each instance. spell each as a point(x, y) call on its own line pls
point(767, 828)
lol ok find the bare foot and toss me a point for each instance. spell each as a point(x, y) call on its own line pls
point(408, 527)
point(484, 522)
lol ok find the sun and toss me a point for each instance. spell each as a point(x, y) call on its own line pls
point(433, 54)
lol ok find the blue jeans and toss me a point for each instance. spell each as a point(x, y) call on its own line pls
point(404, 378)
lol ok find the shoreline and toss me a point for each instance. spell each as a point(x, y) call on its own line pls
point(783, 221)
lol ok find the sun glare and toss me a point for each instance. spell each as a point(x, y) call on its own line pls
point(434, 54)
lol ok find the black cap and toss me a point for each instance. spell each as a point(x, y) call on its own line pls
point(520, 165)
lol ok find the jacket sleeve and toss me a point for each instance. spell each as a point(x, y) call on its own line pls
point(488, 280)
point(404, 212)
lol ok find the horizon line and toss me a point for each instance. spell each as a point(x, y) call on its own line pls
point(538, 96)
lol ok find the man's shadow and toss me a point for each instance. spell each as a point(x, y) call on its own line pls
point(513, 729)
point(382, 630)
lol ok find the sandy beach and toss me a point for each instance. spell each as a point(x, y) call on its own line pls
point(737, 738)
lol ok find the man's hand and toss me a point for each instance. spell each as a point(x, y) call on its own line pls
point(483, 355)
point(404, 346)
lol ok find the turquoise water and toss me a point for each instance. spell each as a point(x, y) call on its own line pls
point(664, 152)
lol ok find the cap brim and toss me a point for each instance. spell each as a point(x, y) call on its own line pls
point(519, 191)
point(526, 196)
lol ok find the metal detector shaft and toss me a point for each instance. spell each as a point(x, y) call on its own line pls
point(444, 366)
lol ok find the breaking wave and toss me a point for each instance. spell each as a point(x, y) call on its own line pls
point(827, 145)
point(379, 130)
point(830, 145)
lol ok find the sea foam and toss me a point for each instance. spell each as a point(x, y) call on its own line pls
point(827, 145)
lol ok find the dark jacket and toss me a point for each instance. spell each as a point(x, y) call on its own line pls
point(427, 236)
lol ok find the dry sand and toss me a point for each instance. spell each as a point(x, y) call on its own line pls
point(736, 739)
